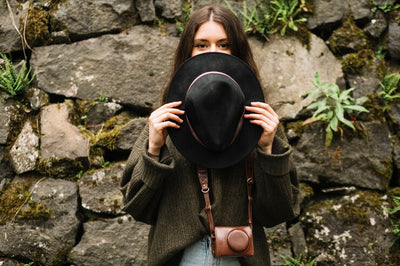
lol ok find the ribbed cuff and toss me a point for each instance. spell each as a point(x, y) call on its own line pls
point(154, 172)
point(277, 163)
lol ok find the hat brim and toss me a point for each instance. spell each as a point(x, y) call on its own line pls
point(249, 134)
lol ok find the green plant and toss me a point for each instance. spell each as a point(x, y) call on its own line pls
point(389, 92)
point(385, 8)
point(79, 174)
point(12, 82)
point(101, 98)
point(186, 10)
point(302, 261)
point(104, 163)
point(332, 105)
point(380, 53)
point(286, 13)
point(269, 17)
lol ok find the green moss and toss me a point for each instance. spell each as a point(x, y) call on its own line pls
point(354, 208)
point(15, 203)
point(297, 126)
point(374, 106)
point(60, 168)
point(36, 24)
point(349, 33)
point(17, 119)
point(303, 35)
point(364, 61)
point(62, 256)
point(359, 62)
point(109, 134)
point(386, 171)
point(357, 211)
point(308, 192)
point(394, 192)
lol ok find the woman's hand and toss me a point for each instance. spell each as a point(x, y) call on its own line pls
point(159, 120)
point(263, 115)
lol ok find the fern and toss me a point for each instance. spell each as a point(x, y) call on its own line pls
point(332, 105)
point(389, 91)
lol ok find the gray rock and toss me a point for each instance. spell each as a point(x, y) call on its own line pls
point(37, 98)
point(365, 80)
point(393, 43)
point(100, 112)
point(332, 12)
point(128, 68)
point(396, 161)
point(360, 161)
point(10, 39)
point(59, 37)
point(279, 244)
point(118, 241)
point(6, 171)
point(376, 26)
point(197, 4)
point(384, 2)
point(100, 192)
point(10, 262)
point(298, 240)
point(59, 138)
point(85, 18)
point(360, 9)
point(349, 230)
point(47, 241)
point(147, 10)
point(347, 39)
point(6, 110)
point(129, 133)
point(287, 70)
point(25, 151)
point(169, 8)
point(363, 84)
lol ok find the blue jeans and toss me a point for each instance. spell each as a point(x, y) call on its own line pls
point(200, 253)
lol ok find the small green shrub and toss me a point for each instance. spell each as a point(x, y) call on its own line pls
point(332, 105)
point(101, 98)
point(272, 16)
point(12, 82)
point(186, 10)
point(301, 261)
point(385, 8)
point(104, 163)
point(389, 92)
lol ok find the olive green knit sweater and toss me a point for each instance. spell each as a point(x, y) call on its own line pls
point(167, 195)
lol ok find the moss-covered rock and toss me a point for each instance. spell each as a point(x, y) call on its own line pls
point(16, 203)
point(349, 38)
point(351, 229)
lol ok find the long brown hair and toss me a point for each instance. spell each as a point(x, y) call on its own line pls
point(237, 38)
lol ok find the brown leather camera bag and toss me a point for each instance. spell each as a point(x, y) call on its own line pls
point(235, 241)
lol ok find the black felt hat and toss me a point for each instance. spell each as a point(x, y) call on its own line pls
point(214, 89)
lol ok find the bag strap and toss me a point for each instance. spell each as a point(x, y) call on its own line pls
point(203, 179)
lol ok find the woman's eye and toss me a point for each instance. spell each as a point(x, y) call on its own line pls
point(200, 46)
point(224, 45)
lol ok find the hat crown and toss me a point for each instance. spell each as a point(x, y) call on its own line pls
point(214, 106)
point(190, 139)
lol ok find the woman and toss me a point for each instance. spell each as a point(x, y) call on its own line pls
point(161, 187)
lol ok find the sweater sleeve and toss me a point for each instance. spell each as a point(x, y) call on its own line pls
point(142, 180)
point(276, 185)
